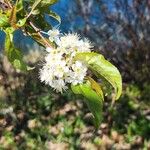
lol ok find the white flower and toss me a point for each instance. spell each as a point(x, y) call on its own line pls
point(54, 35)
point(77, 73)
point(59, 85)
point(49, 49)
point(59, 69)
point(73, 42)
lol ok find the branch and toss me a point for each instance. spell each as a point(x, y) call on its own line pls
point(33, 7)
point(38, 32)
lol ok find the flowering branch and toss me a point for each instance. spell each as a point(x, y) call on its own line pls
point(66, 66)
point(68, 56)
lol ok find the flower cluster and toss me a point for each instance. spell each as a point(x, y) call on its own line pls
point(59, 68)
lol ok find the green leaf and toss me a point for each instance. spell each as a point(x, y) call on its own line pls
point(17, 63)
point(4, 20)
point(96, 87)
point(54, 15)
point(36, 3)
point(48, 2)
point(21, 22)
point(14, 55)
point(36, 12)
point(38, 39)
point(43, 25)
point(19, 5)
point(93, 100)
point(101, 67)
point(15, 58)
point(8, 39)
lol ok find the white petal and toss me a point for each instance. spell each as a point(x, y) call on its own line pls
point(48, 49)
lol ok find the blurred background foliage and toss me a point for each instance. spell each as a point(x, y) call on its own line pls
point(32, 116)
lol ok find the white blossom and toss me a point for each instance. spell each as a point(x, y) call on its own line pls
point(74, 43)
point(54, 35)
point(59, 69)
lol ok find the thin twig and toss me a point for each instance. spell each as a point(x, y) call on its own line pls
point(38, 32)
point(30, 13)
point(33, 7)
